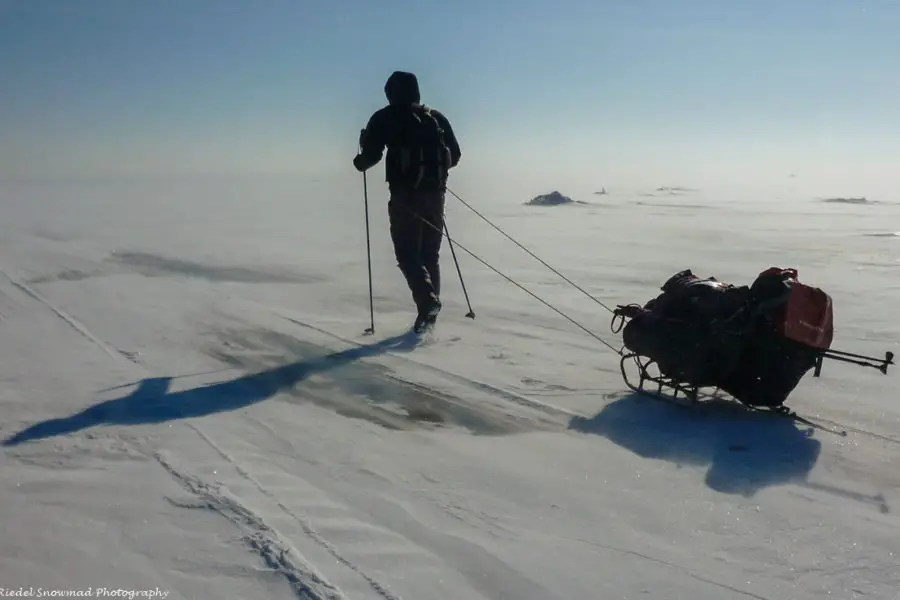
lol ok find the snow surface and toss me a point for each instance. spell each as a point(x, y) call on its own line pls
point(191, 409)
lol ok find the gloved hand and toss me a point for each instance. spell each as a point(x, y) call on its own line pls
point(358, 160)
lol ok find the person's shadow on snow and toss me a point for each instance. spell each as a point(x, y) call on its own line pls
point(745, 451)
point(153, 402)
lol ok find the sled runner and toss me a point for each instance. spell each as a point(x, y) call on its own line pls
point(754, 343)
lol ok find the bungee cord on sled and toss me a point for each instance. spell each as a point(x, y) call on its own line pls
point(755, 343)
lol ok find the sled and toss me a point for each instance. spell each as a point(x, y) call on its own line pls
point(670, 388)
point(702, 337)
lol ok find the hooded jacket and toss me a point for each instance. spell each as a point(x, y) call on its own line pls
point(401, 91)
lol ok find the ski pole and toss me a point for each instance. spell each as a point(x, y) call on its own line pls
point(471, 313)
point(371, 329)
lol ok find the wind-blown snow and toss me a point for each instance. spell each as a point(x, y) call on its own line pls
point(190, 408)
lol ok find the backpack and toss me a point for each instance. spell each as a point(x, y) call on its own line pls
point(422, 154)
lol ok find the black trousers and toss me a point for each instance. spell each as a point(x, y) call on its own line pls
point(417, 222)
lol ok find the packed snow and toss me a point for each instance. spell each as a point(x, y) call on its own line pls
point(191, 409)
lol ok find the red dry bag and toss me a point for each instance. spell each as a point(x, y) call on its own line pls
point(807, 316)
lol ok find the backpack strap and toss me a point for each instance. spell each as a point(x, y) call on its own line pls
point(443, 158)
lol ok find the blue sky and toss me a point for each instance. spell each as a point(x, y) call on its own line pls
point(555, 89)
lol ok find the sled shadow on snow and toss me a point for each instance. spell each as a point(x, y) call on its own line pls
point(746, 452)
point(153, 401)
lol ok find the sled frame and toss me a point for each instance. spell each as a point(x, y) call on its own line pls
point(667, 388)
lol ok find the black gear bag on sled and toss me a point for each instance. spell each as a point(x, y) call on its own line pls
point(753, 342)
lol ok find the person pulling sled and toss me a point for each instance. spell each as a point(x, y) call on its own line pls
point(421, 149)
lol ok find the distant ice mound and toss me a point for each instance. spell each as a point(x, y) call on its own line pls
point(666, 190)
point(888, 234)
point(552, 199)
point(840, 200)
point(674, 190)
point(675, 205)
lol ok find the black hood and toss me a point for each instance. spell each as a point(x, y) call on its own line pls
point(402, 88)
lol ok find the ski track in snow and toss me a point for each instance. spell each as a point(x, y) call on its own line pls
point(307, 584)
point(261, 537)
point(70, 320)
